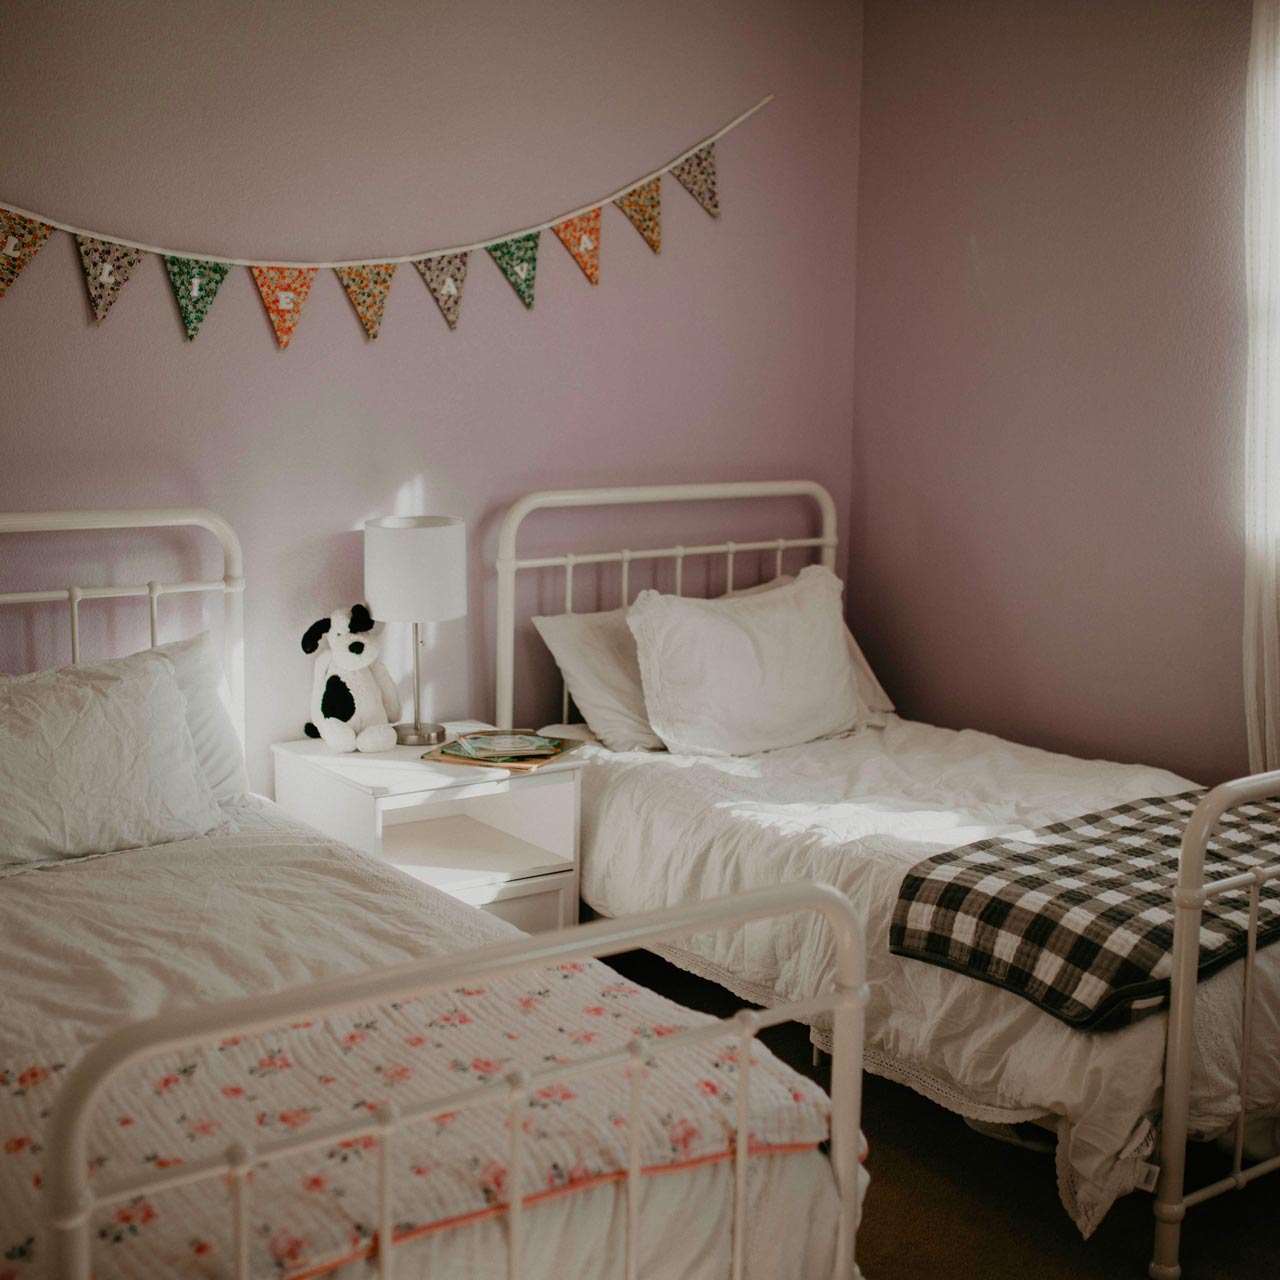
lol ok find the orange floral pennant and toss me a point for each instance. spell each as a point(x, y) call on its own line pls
point(20, 240)
point(581, 236)
point(697, 175)
point(643, 206)
point(107, 267)
point(367, 287)
point(284, 290)
point(445, 275)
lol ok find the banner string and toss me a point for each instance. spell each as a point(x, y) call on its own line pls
point(408, 257)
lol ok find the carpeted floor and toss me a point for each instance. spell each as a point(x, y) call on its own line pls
point(947, 1202)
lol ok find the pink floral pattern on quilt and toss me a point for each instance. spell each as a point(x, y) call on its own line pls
point(316, 1210)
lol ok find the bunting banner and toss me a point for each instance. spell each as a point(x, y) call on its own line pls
point(284, 290)
point(195, 282)
point(518, 260)
point(445, 275)
point(22, 239)
point(697, 175)
point(643, 206)
point(581, 236)
point(107, 267)
point(195, 278)
point(367, 287)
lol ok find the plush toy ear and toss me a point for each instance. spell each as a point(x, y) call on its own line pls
point(315, 633)
point(360, 618)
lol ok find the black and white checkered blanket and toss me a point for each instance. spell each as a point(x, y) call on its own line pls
point(1077, 917)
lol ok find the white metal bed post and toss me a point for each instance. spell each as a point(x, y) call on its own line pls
point(508, 565)
point(231, 584)
point(1171, 1202)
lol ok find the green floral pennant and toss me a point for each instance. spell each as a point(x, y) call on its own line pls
point(518, 260)
point(195, 282)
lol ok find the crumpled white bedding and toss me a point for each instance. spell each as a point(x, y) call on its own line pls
point(98, 942)
point(857, 812)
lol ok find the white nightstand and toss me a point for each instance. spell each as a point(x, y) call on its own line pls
point(498, 839)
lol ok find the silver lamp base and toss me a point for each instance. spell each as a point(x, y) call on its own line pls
point(420, 735)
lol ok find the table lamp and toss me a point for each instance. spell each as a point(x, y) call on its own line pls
point(415, 570)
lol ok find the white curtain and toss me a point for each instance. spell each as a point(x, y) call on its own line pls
point(1262, 412)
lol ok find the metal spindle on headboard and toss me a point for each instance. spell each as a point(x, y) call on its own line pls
point(508, 564)
point(231, 584)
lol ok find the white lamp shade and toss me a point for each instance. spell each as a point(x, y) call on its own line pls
point(415, 568)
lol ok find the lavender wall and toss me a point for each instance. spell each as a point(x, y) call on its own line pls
point(1047, 460)
point(295, 130)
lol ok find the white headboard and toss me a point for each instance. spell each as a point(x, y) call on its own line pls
point(561, 499)
point(231, 584)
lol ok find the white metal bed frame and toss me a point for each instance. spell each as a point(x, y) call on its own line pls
point(72, 1200)
point(1172, 1201)
point(231, 584)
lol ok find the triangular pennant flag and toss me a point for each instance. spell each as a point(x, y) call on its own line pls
point(697, 175)
point(445, 276)
point(581, 236)
point(284, 290)
point(644, 207)
point(518, 260)
point(195, 282)
point(20, 240)
point(106, 269)
point(367, 288)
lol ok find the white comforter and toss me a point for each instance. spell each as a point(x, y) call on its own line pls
point(857, 812)
point(99, 942)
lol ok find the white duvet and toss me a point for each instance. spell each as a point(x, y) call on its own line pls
point(857, 812)
point(95, 943)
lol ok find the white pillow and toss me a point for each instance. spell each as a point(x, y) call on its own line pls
point(747, 673)
point(596, 654)
point(199, 674)
point(96, 758)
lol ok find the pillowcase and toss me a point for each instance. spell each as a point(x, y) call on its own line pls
point(747, 673)
point(95, 758)
point(198, 670)
point(596, 654)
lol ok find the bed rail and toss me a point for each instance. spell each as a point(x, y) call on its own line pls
point(231, 584)
point(72, 1199)
point(1190, 896)
point(561, 499)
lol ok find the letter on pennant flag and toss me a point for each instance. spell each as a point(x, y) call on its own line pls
point(644, 207)
point(106, 269)
point(367, 287)
point(445, 276)
point(518, 260)
point(284, 290)
point(195, 282)
point(581, 236)
point(697, 175)
point(20, 240)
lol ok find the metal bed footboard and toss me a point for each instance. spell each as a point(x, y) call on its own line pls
point(72, 1199)
point(1190, 896)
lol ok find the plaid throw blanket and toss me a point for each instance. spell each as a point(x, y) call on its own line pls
point(1077, 917)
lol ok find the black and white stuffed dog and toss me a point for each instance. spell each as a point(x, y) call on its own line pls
point(353, 698)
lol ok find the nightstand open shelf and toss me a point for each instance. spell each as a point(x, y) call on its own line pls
point(504, 841)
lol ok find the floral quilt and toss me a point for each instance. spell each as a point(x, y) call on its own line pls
point(313, 1212)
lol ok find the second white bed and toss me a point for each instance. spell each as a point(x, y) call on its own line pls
point(857, 812)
